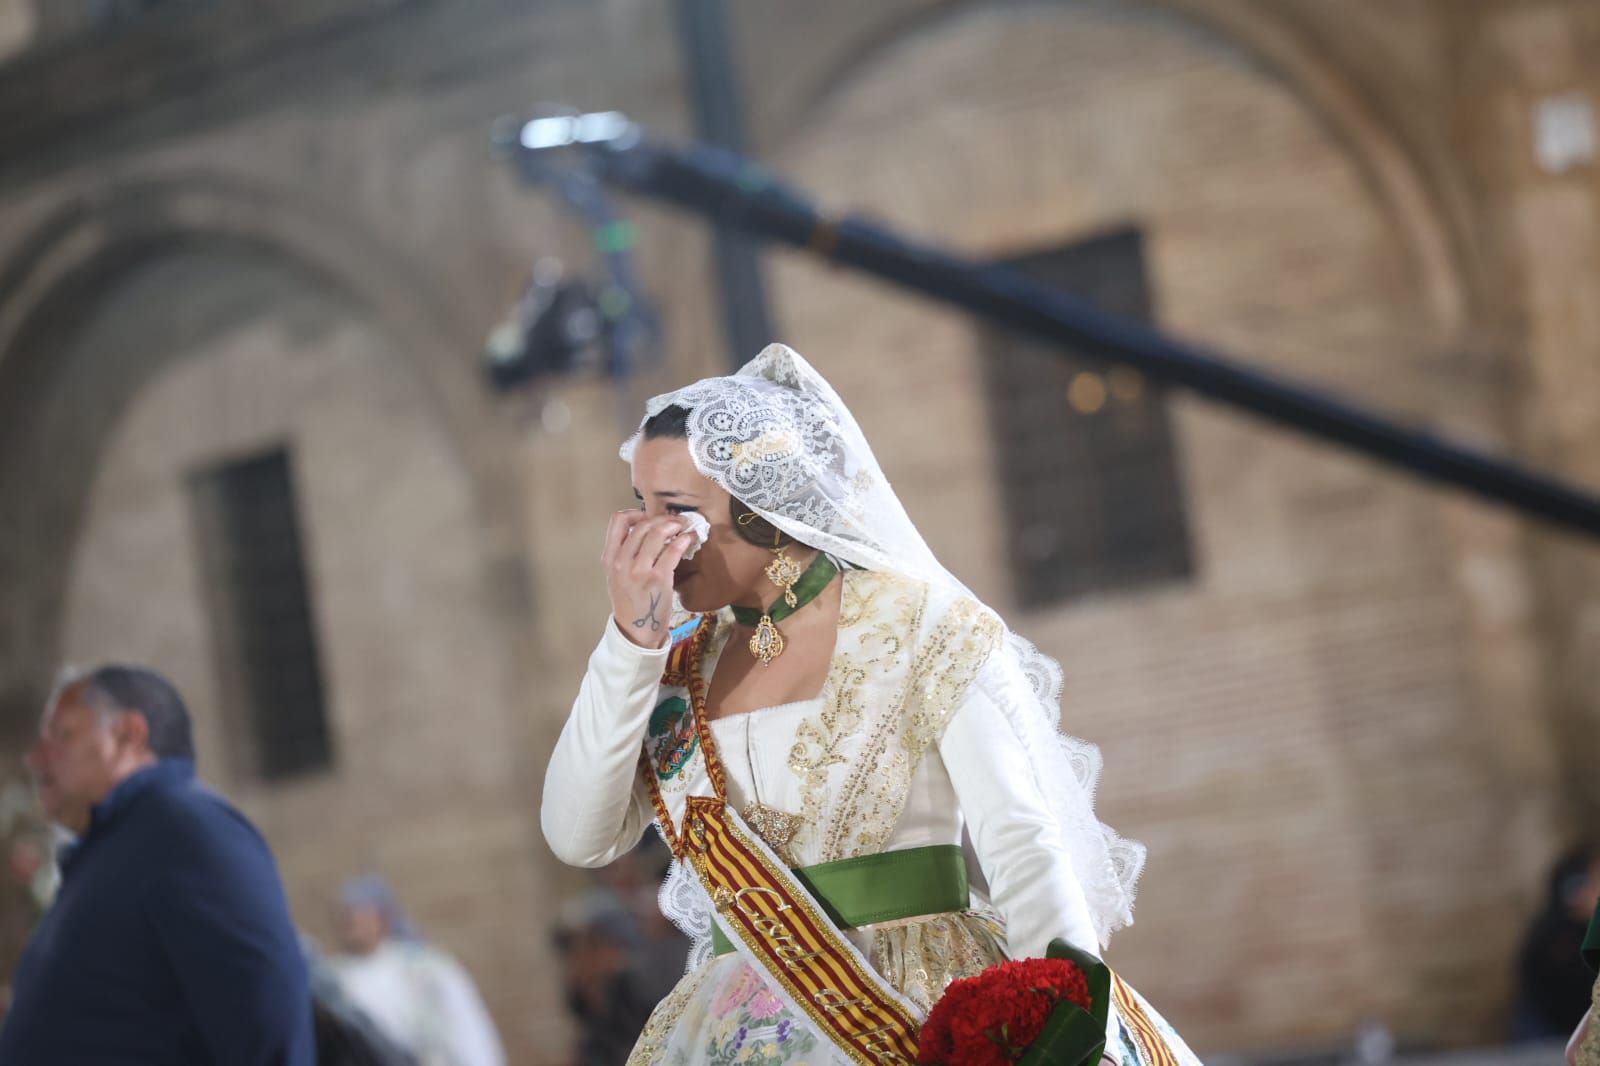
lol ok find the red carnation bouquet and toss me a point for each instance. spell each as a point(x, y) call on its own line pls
point(1034, 1012)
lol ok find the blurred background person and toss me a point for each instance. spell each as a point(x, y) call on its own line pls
point(346, 1035)
point(1554, 984)
point(620, 956)
point(418, 995)
point(657, 950)
point(609, 1001)
point(169, 940)
point(31, 877)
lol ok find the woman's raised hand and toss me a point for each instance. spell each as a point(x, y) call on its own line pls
point(640, 555)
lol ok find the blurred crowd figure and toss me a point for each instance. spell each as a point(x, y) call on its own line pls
point(31, 877)
point(345, 1035)
point(1554, 984)
point(620, 956)
point(169, 939)
point(168, 925)
point(414, 993)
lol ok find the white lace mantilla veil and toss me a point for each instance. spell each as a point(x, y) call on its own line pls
point(778, 438)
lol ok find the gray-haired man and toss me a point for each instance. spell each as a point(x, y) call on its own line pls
point(170, 940)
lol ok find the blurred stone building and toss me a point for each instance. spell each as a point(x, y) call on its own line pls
point(249, 253)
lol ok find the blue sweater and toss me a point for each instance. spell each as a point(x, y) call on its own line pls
point(169, 944)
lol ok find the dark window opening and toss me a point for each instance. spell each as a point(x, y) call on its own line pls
point(253, 567)
point(1088, 472)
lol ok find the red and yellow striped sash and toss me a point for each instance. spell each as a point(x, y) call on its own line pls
point(761, 905)
point(1153, 1047)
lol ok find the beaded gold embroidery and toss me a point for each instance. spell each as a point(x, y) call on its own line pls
point(776, 827)
point(921, 956)
point(876, 615)
point(901, 668)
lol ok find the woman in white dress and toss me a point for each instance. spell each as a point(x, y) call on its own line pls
point(857, 765)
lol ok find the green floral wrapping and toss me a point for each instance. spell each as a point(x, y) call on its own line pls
point(1074, 1036)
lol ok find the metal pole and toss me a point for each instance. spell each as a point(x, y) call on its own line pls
point(738, 192)
point(708, 52)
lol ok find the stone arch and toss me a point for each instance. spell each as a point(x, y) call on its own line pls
point(353, 363)
point(1425, 197)
point(90, 242)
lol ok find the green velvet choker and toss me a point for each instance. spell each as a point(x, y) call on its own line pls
point(766, 643)
point(814, 580)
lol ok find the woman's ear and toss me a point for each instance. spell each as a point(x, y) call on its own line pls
point(753, 529)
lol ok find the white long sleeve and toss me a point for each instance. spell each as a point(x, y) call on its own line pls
point(595, 808)
point(1017, 838)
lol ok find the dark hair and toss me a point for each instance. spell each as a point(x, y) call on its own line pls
point(137, 690)
point(672, 423)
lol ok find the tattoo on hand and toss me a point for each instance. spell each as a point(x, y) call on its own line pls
point(650, 615)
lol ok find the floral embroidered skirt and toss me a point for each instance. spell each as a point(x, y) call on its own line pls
point(725, 1014)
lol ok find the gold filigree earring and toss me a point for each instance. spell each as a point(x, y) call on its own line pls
point(784, 571)
point(766, 643)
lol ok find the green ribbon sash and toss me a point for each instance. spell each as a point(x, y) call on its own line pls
point(881, 888)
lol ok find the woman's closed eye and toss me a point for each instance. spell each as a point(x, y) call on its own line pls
point(672, 508)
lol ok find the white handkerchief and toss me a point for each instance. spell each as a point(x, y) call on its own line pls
point(699, 528)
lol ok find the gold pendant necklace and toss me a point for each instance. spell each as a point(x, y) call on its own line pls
point(766, 643)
